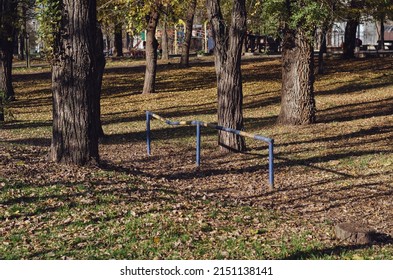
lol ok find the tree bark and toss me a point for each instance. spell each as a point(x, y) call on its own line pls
point(6, 86)
point(118, 39)
point(151, 53)
point(164, 41)
point(350, 38)
point(227, 54)
point(349, 44)
point(185, 56)
point(74, 85)
point(297, 92)
point(382, 36)
point(21, 46)
point(108, 45)
point(7, 37)
point(99, 75)
point(1, 107)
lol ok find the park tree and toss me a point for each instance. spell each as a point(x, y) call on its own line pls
point(146, 14)
point(118, 39)
point(324, 27)
point(353, 10)
point(164, 37)
point(113, 16)
point(8, 28)
point(151, 19)
point(299, 19)
point(76, 56)
point(189, 20)
point(228, 37)
point(170, 16)
point(380, 11)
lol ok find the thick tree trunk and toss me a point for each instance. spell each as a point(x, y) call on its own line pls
point(185, 56)
point(228, 47)
point(322, 50)
point(7, 37)
point(164, 41)
point(350, 38)
point(151, 53)
point(297, 92)
point(118, 40)
point(74, 85)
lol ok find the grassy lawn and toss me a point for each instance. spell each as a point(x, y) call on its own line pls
point(162, 207)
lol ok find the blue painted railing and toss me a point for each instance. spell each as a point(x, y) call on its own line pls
point(198, 124)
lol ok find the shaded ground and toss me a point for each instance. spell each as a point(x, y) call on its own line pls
point(338, 170)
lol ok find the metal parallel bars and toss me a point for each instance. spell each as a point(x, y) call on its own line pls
point(198, 125)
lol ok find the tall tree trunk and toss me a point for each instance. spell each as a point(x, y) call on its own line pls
point(382, 36)
point(74, 85)
point(297, 92)
point(6, 87)
point(118, 39)
point(108, 45)
point(99, 74)
point(21, 46)
point(185, 56)
point(227, 54)
point(350, 38)
point(2, 101)
point(349, 44)
point(7, 36)
point(322, 49)
point(151, 53)
point(164, 41)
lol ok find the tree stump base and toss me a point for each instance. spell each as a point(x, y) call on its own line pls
point(354, 233)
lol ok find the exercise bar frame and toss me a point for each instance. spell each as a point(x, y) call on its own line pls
point(199, 124)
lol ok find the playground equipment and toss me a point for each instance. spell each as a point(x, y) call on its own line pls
point(199, 124)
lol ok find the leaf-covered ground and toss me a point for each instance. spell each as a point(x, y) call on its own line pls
point(162, 207)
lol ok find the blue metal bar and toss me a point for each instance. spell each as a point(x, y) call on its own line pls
point(271, 164)
point(198, 144)
point(148, 137)
point(198, 125)
point(262, 138)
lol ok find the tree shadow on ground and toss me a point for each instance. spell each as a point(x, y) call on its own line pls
point(40, 76)
point(38, 142)
point(383, 133)
point(25, 125)
point(381, 239)
point(29, 102)
point(354, 111)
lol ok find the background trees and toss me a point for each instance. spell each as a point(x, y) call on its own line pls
point(188, 32)
point(380, 11)
point(353, 11)
point(76, 63)
point(151, 19)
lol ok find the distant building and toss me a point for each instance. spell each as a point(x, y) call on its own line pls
point(368, 32)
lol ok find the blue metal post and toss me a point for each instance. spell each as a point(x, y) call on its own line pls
point(198, 144)
point(271, 164)
point(148, 139)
